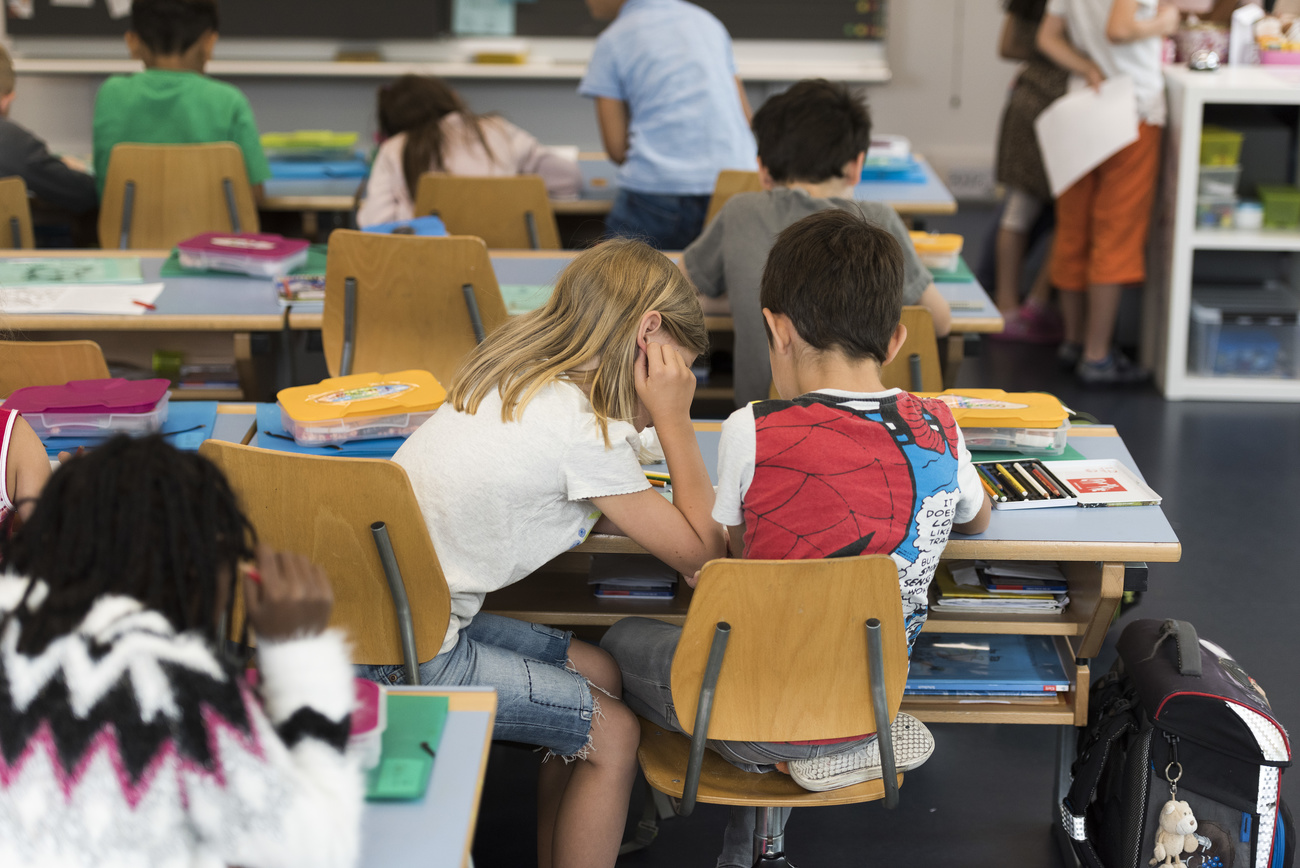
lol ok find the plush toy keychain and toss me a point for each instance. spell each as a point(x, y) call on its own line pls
point(1177, 832)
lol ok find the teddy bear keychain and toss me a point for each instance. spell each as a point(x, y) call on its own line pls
point(1177, 832)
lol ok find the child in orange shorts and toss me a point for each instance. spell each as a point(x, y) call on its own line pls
point(1102, 221)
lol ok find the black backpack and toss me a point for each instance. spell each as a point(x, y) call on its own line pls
point(1175, 708)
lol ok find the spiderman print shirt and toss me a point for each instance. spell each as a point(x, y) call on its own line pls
point(837, 474)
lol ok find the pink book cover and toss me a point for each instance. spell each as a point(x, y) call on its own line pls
point(256, 246)
point(113, 395)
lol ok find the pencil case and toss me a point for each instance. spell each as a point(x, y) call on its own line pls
point(93, 409)
point(1028, 484)
point(1031, 423)
point(258, 254)
point(360, 407)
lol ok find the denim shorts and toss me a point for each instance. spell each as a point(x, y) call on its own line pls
point(664, 222)
point(539, 700)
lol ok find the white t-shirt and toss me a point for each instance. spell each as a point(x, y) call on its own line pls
point(503, 498)
point(1085, 23)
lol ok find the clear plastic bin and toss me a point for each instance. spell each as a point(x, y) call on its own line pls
point(938, 252)
point(1281, 206)
point(1219, 180)
point(1027, 441)
point(1244, 333)
point(1220, 147)
point(321, 431)
point(98, 425)
point(1216, 212)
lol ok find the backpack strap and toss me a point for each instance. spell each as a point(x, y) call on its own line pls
point(1087, 771)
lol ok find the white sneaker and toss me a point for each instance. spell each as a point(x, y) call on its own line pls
point(913, 745)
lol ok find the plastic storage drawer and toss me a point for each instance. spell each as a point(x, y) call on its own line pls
point(1244, 333)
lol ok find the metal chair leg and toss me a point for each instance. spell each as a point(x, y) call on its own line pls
point(16, 233)
point(914, 372)
point(475, 318)
point(128, 206)
point(349, 326)
point(880, 707)
point(530, 223)
point(700, 733)
point(228, 188)
point(401, 605)
point(769, 838)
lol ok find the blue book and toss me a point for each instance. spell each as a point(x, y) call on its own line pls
point(956, 663)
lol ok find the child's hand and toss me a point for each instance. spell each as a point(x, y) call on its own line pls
point(664, 382)
point(1168, 19)
point(1094, 76)
point(290, 597)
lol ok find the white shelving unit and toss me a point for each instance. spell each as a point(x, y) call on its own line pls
point(1168, 315)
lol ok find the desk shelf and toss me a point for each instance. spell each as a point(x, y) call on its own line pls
point(950, 709)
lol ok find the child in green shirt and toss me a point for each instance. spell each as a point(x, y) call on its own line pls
point(172, 102)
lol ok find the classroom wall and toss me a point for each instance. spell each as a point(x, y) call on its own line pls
point(946, 95)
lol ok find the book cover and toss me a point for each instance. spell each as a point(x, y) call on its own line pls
point(968, 663)
point(1105, 482)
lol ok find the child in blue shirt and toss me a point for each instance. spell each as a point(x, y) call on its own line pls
point(672, 114)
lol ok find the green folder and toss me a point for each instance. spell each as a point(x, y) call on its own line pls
point(1070, 454)
point(410, 747)
point(960, 274)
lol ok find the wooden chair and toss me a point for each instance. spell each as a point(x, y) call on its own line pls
point(781, 651)
point(510, 212)
point(357, 518)
point(48, 363)
point(729, 183)
point(916, 367)
point(15, 215)
point(157, 195)
point(396, 302)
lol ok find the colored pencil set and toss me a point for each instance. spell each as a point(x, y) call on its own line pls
point(1025, 484)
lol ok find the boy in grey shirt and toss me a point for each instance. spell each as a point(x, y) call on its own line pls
point(812, 141)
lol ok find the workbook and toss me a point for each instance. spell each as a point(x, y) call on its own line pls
point(1105, 482)
point(956, 663)
point(410, 747)
point(45, 271)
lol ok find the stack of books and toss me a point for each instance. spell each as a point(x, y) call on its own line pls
point(954, 664)
point(999, 587)
point(624, 576)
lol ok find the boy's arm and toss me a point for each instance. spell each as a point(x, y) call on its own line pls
point(970, 492)
point(1123, 24)
point(744, 101)
point(612, 116)
point(980, 522)
point(1052, 42)
point(940, 312)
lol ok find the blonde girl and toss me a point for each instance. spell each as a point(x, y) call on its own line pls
point(536, 449)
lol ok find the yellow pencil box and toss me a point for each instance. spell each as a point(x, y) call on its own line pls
point(938, 252)
point(360, 407)
point(1032, 423)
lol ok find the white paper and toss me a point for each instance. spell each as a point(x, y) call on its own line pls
point(1082, 129)
point(118, 8)
point(97, 298)
point(483, 17)
point(85, 4)
point(1242, 47)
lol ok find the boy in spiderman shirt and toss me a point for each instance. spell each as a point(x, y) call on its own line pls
point(840, 466)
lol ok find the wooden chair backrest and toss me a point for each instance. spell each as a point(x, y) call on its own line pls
point(322, 507)
point(921, 340)
point(179, 193)
point(729, 183)
point(796, 663)
point(48, 363)
point(491, 208)
point(14, 205)
point(410, 307)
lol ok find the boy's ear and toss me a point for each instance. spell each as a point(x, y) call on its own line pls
point(853, 168)
point(209, 43)
point(649, 325)
point(895, 343)
point(780, 331)
point(6, 103)
point(135, 45)
point(764, 176)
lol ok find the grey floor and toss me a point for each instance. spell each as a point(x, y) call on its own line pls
point(1228, 473)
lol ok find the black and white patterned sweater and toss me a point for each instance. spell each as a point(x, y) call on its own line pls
point(125, 743)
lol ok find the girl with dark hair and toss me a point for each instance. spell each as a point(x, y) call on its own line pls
point(428, 128)
point(125, 736)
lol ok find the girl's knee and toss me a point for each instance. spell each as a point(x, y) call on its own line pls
point(615, 731)
point(597, 666)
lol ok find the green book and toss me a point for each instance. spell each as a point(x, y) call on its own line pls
point(410, 748)
point(524, 297)
point(48, 271)
point(1070, 454)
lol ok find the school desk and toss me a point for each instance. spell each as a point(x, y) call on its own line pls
point(1092, 544)
point(438, 830)
point(209, 318)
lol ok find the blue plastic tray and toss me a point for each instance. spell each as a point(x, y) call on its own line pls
point(188, 424)
point(271, 435)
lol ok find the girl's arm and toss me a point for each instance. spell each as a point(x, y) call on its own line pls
point(1124, 25)
point(28, 467)
point(682, 533)
point(612, 116)
point(1052, 42)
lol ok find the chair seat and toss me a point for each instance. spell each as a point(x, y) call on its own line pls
point(664, 754)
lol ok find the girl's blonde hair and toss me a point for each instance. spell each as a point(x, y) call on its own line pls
point(595, 310)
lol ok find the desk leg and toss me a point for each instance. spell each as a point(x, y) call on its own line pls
point(1101, 594)
point(244, 363)
point(952, 364)
point(311, 225)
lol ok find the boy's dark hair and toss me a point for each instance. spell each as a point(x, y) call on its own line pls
point(135, 518)
point(170, 27)
point(809, 132)
point(839, 278)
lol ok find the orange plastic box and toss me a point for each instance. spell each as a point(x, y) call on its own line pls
point(360, 407)
point(1033, 423)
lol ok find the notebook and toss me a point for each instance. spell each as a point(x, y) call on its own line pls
point(410, 748)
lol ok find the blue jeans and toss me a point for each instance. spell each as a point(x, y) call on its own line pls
point(539, 700)
point(644, 651)
point(664, 222)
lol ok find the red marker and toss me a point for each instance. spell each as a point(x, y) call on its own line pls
point(144, 304)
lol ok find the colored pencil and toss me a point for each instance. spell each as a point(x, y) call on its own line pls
point(1011, 480)
point(990, 483)
point(1030, 479)
point(1046, 480)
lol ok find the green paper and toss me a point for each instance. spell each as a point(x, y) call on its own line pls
point(960, 274)
point(1070, 454)
point(48, 271)
point(524, 297)
point(315, 265)
point(405, 766)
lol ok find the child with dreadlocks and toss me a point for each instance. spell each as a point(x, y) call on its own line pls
point(125, 737)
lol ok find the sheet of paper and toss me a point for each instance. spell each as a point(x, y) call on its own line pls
point(483, 17)
point(85, 4)
point(79, 298)
point(1081, 129)
point(83, 270)
point(118, 8)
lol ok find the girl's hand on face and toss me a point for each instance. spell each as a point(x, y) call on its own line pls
point(664, 382)
point(288, 597)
